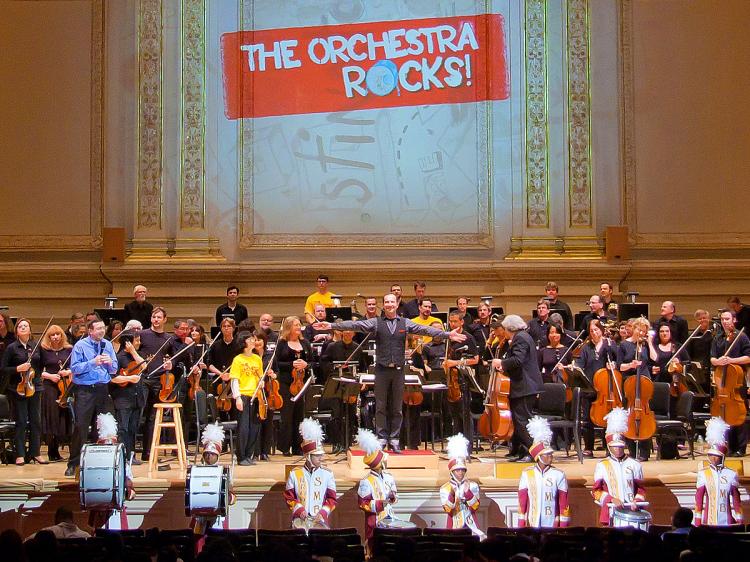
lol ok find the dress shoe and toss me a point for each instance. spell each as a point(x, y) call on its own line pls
point(642, 459)
point(395, 447)
point(588, 454)
point(263, 457)
point(38, 460)
point(136, 462)
point(70, 471)
point(247, 462)
point(287, 453)
point(511, 455)
point(20, 461)
point(145, 457)
point(527, 458)
point(737, 454)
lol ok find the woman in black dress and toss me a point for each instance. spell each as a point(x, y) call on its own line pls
point(292, 352)
point(550, 355)
point(54, 359)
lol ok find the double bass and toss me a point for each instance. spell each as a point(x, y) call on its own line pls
point(496, 422)
point(727, 379)
point(638, 390)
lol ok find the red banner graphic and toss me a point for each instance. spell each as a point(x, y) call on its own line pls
point(364, 66)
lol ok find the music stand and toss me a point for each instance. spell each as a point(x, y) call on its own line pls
point(579, 380)
point(335, 313)
point(109, 314)
point(628, 310)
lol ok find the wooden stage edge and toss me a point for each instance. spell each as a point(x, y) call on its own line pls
point(30, 495)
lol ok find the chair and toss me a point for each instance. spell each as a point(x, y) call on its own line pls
point(389, 542)
point(293, 538)
point(453, 540)
point(7, 429)
point(182, 539)
point(659, 402)
point(551, 406)
point(329, 542)
point(682, 424)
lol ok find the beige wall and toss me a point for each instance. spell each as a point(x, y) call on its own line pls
point(691, 121)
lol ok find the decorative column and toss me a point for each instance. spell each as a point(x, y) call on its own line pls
point(149, 236)
point(192, 242)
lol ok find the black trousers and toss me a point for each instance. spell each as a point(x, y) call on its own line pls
point(151, 389)
point(389, 399)
point(91, 400)
point(28, 420)
point(127, 427)
point(588, 426)
point(521, 412)
point(411, 432)
point(292, 414)
point(460, 412)
point(248, 427)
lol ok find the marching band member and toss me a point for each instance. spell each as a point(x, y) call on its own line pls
point(460, 496)
point(618, 479)
point(377, 491)
point(542, 489)
point(212, 440)
point(717, 494)
point(106, 428)
point(311, 489)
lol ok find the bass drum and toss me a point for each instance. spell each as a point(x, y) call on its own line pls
point(102, 480)
point(626, 517)
point(207, 490)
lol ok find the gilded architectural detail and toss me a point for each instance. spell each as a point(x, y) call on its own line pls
point(579, 114)
point(192, 190)
point(150, 115)
point(537, 186)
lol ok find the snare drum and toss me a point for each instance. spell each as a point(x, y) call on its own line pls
point(626, 517)
point(102, 481)
point(207, 490)
point(393, 523)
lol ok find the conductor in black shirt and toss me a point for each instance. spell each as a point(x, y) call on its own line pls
point(231, 309)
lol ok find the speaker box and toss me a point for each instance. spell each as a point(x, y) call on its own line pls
point(617, 243)
point(113, 247)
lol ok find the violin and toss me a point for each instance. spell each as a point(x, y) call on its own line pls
point(273, 397)
point(641, 419)
point(298, 380)
point(25, 387)
point(608, 385)
point(496, 422)
point(560, 371)
point(133, 368)
point(223, 394)
point(63, 385)
point(194, 379)
point(727, 379)
point(166, 381)
point(677, 384)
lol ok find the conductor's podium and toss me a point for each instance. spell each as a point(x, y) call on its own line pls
point(407, 463)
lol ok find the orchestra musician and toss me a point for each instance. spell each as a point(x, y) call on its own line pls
point(550, 355)
point(597, 353)
point(425, 317)
point(159, 345)
point(739, 354)
point(54, 354)
point(311, 489)
point(265, 434)
point(411, 308)
point(461, 356)
point(244, 376)
point(606, 292)
point(717, 493)
point(317, 336)
point(390, 335)
point(18, 360)
point(462, 304)
point(93, 363)
point(556, 305)
point(460, 496)
point(699, 350)
point(7, 336)
point(741, 313)
point(597, 312)
point(139, 308)
point(678, 324)
point(224, 350)
point(662, 348)
point(632, 358)
point(76, 327)
point(293, 356)
point(397, 291)
point(321, 296)
point(480, 329)
point(127, 393)
point(522, 367)
point(231, 309)
point(114, 328)
point(265, 321)
point(618, 479)
point(539, 325)
point(542, 488)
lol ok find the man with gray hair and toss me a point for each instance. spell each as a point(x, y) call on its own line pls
point(522, 367)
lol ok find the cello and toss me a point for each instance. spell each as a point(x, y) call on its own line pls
point(608, 385)
point(677, 383)
point(496, 422)
point(638, 390)
point(561, 372)
point(727, 379)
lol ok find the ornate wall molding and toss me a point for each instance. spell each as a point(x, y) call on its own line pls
point(92, 240)
point(150, 110)
point(192, 169)
point(537, 157)
point(579, 114)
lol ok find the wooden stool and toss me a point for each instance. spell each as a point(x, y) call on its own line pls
point(176, 423)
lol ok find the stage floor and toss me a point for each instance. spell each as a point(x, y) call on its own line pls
point(35, 491)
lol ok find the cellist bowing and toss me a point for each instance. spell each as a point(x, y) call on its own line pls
point(728, 355)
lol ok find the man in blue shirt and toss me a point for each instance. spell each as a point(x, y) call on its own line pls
point(93, 362)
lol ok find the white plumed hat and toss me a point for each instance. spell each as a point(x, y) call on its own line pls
point(312, 437)
point(372, 448)
point(106, 427)
point(617, 424)
point(541, 434)
point(212, 438)
point(458, 451)
point(716, 436)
